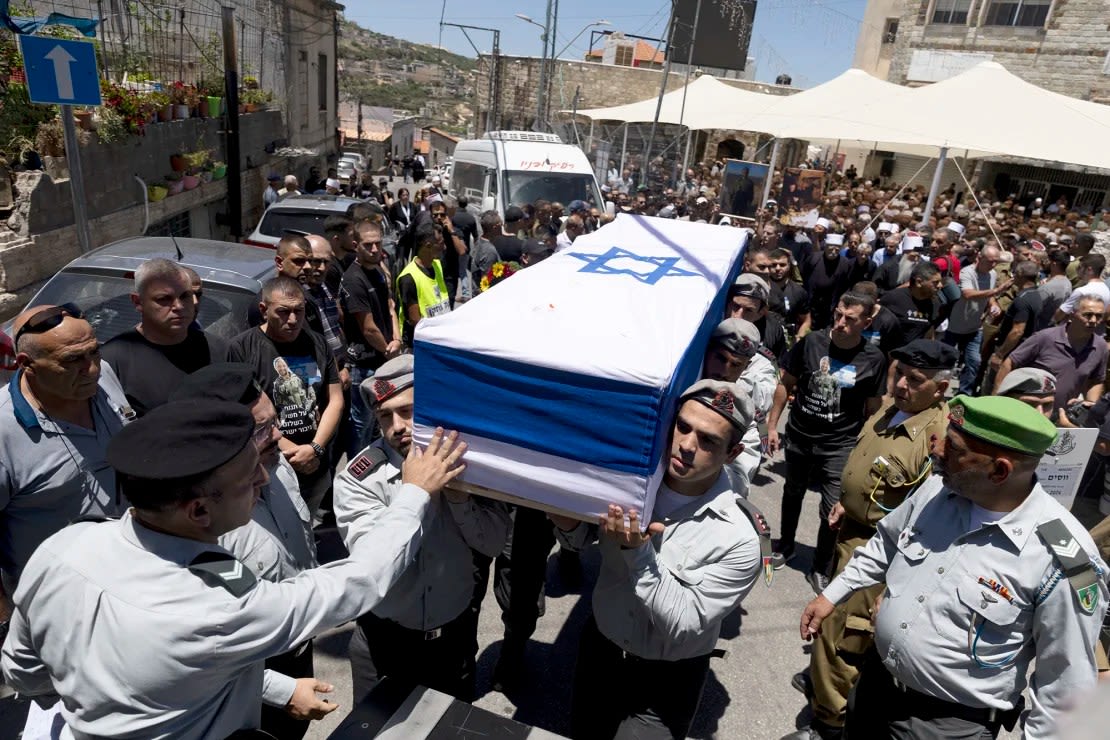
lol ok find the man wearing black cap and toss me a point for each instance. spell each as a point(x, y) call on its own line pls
point(146, 627)
point(748, 299)
point(663, 592)
point(422, 631)
point(837, 378)
point(509, 247)
point(889, 460)
point(277, 543)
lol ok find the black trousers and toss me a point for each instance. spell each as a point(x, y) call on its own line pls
point(820, 468)
point(618, 695)
point(274, 719)
point(877, 708)
point(381, 647)
point(520, 573)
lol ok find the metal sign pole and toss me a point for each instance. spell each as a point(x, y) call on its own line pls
point(76, 179)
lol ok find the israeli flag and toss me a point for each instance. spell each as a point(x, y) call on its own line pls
point(563, 379)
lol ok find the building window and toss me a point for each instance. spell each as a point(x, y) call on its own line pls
point(1026, 13)
point(322, 81)
point(951, 11)
point(623, 56)
point(890, 34)
point(179, 225)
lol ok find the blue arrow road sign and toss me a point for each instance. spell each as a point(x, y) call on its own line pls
point(60, 71)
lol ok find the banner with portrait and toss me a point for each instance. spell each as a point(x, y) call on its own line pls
point(742, 186)
point(802, 190)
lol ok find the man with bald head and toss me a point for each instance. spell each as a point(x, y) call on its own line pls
point(166, 345)
point(57, 415)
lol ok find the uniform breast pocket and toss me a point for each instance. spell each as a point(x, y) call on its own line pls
point(996, 630)
point(911, 546)
point(682, 565)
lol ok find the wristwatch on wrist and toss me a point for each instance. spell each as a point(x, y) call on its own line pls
point(317, 449)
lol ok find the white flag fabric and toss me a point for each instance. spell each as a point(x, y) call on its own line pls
point(563, 379)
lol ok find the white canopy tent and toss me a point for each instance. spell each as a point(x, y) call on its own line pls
point(983, 111)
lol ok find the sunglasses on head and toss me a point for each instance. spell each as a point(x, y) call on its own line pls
point(47, 319)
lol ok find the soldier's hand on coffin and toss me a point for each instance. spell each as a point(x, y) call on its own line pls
point(565, 523)
point(627, 533)
point(437, 465)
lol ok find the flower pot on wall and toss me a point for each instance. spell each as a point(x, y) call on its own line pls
point(214, 106)
point(202, 107)
point(165, 113)
point(178, 163)
point(156, 192)
point(84, 119)
point(180, 112)
point(175, 186)
point(190, 181)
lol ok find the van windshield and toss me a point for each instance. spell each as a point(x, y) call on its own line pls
point(527, 187)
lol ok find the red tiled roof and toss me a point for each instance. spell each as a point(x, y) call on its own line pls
point(645, 52)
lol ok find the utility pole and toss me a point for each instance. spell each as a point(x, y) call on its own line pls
point(231, 95)
point(662, 90)
point(541, 91)
point(494, 114)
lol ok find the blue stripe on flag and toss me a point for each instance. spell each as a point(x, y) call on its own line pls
point(609, 423)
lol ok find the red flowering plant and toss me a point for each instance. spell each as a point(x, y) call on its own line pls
point(129, 104)
point(500, 271)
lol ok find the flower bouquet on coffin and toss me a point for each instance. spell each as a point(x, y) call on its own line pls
point(498, 272)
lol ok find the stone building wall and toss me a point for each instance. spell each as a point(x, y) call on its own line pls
point(1068, 56)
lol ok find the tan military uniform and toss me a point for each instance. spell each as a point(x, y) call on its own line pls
point(868, 491)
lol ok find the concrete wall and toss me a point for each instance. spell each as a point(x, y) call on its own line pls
point(598, 85)
point(310, 38)
point(1067, 56)
point(873, 52)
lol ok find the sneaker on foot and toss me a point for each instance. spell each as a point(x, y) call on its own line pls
point(779, 559)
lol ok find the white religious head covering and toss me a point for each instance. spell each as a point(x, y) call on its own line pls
point(823, 222)
point(912, 240)
point(835, 239)
point(886, 226)
point(956, 228)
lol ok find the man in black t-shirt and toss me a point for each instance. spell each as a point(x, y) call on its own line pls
point(298, 373)
point(369, 319)
point(884, 331)
point(151, 359)
point(340, 231)
point(825, 275)
point(454, 252)
point(509, 247)
point(916, 306)
point(837, 380)
point(788, 299)
point(1020, 319)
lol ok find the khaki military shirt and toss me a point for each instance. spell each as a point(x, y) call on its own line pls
point(870, 488)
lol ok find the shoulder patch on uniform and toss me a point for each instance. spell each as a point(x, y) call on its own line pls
point(367, 461)
point(763, 532)
point(766, 352)
point(219, 569)
point(1073, 563)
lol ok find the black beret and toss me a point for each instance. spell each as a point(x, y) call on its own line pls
point(181, 439)
point(224, 381)
point(927, 354)
point(535, 247)
point(513, 213)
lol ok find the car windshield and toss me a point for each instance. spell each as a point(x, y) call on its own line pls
point(106, 302)
point(277, 221)
point(527, 187)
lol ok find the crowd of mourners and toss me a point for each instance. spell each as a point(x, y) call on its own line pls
point(911, 368)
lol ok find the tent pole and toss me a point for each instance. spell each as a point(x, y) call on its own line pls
point(646, 166)
point(836, 156)
point(590, 138)
point(935, 188)
point(686, 156)
point(770, 172)
point(624, 148)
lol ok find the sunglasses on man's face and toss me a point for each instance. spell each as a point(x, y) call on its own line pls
point(47, 319)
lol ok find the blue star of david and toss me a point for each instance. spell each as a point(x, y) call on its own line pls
point(663, 266)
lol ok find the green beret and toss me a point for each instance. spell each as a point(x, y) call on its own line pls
point(1003, 422)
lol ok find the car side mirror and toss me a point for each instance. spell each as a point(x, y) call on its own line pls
point(488, 203)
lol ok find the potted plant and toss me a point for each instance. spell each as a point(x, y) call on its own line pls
point(174, 183)
point(254, 99)
point(178, 162)
point(50, 139)
point(219, 170)
point(189, 181)
point(160, 102)
point(113, 127)
point(195, 161)
point(84, 119)
point(184, 99)
point(212, 97)
point(155, 193)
